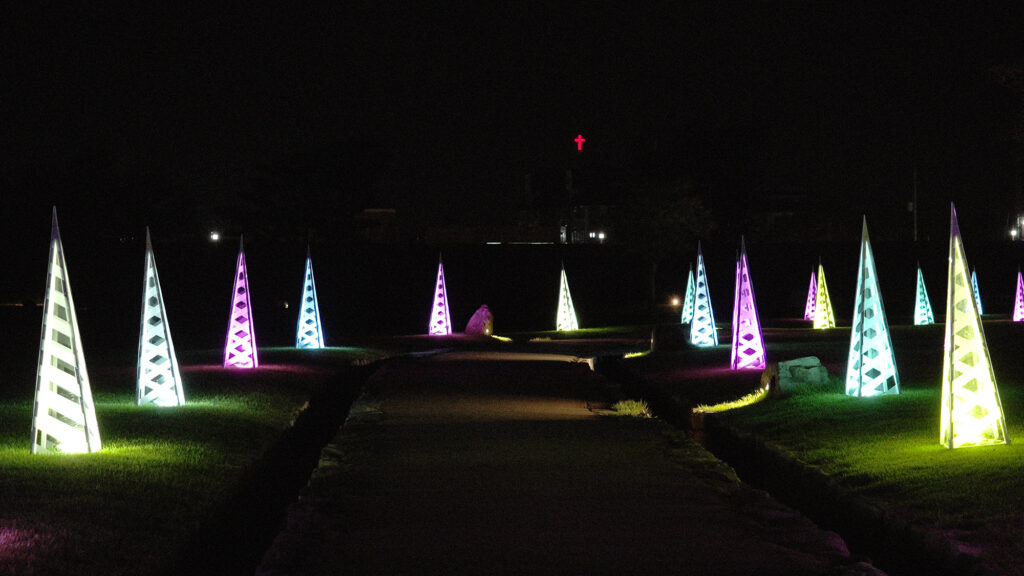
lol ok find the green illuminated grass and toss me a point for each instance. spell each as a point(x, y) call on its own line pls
point(888, 447)
point(130, 508)
point(887, 450)
point(745, 400)
point(635, 408)
point(884, 448)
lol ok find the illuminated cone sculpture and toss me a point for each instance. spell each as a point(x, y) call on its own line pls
point(64, 417)
point(1018, 300)
point(309, 333)
point(972, 413)
point(158, 377)
point(812, 297)
point(702, 328)
point(977, 293)
point(566, 319)
point(747, 341)
point(823, 316)
point(923, 311)
point(687, 316)
point(440, 319)
point(240, 348)
point(871, 369)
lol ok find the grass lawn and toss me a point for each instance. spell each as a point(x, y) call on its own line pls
point(130, 508)
point(884, 448)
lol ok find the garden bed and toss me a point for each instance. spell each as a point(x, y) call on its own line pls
point(822, 450)
point(155, 499)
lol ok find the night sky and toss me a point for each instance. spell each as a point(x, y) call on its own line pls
point(277, 118)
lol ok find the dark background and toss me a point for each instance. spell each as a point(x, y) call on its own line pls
point(283, 122)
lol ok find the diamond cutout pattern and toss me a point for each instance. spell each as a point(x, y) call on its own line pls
point(971, 412)
point(308, 333)
point(159, 376)
point(702, 328)
point(871, 367)
point(240, 347)
point(747, 340)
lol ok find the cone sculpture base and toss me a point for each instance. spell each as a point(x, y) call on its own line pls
point(240, 348)
point(972, 413)
point(64, 416)
point(309, 333)
point(702, 329)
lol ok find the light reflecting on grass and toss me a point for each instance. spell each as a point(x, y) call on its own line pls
point(745, 400)
point(886, 449)
point(130, 508)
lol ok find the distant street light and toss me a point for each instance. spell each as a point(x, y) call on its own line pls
point(214, 236)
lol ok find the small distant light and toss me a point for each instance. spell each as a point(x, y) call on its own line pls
point(592, 234)
point(600, 235)
point(1013, 233)
point(676, 301)
point(284, 305)
point(214, 236)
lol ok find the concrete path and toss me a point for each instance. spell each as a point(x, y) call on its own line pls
point(496, 467)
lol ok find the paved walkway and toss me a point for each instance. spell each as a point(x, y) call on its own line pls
point(496, 467)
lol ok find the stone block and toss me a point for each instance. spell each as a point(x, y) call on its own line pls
point(797, 374)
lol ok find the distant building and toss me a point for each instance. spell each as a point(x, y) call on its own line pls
point(590, 223)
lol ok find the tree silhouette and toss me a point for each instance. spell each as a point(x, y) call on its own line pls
point(663, 221)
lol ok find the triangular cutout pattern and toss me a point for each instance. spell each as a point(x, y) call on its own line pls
point(158, 378)
point(64, 416)
point(687, 315)
point(1018, 300)
point(977, 293)
point(702, 328)
point(823, 315)
point(923, 310)
point(240, 346)
point(871, 368)
point(812, 297)
point(972, 413)
point(309, 333)
point(440, 318)
point(566, 318)
point(747, 340)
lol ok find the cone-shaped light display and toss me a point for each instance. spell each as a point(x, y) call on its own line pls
point(871, 369)
point(64, 417)
point(1018, 300)
point(747, 341)
point(158, 377)
point(702, 328)
point(977, 293)
point(812, 298)
point(440, 318)
point(566, 319)
point(923, 310)
point(971, 414)
point(240, 347)
point(823, 316)
point(687, 316)
point(309, 333)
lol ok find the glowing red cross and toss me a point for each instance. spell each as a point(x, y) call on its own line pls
point(579, 140)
